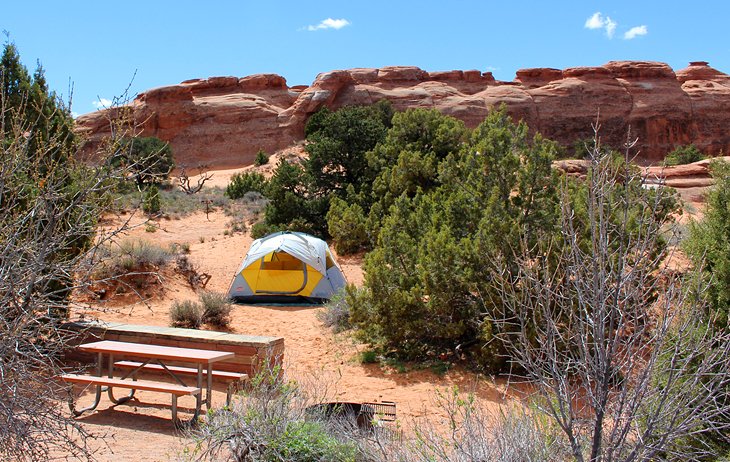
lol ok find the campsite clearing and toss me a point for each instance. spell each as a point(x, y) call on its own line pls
point(312, 352)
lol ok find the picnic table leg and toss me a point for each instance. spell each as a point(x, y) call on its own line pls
point(97, 396)
point(208, 399)
point(199, 396)
point(174, 411)
point(110, 391)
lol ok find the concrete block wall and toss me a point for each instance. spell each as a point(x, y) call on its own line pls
point(251, 351)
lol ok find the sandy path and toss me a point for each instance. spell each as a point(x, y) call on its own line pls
point(145, 433)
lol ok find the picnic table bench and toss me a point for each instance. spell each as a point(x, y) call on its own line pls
point(233, 379)
point(155, 358)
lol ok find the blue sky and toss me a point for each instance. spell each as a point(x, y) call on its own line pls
point(99, 46)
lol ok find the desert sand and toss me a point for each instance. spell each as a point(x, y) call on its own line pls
point(142, 430)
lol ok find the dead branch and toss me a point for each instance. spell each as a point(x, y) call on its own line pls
point(183, 179)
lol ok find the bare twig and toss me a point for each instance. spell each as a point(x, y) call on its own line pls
point(183, 180)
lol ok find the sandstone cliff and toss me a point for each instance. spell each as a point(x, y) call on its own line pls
point(224, 121)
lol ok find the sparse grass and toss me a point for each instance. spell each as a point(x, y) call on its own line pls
point(277, 419)
point(178, 204)
point(130, 255)
point(248, 209)
point(174, 203)
point(140, 253)
point(130, 263)
point(186, 313)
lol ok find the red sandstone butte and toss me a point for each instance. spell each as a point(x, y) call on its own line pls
point(224, 121)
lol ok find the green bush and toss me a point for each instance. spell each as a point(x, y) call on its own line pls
point(261, 229)
point(149, 159)
point(684, 155)
point(216, 308)
point(261, 158)
point(310, 442)
point(348, 226)
point(337, 166)
point(428, 288)
point(708, 246)
point(151, 201)
point(241, 183)
point(368, 357)
point(186, 313)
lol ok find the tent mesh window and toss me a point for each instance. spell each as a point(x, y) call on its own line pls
point(281, 261)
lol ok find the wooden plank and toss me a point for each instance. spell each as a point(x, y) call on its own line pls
point(146, 385)
point(164, 353)
point(224, 375)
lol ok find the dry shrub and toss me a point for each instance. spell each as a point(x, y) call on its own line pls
point(269, 421)
point(216, 308)
point(130, 255)
point(336, 313)
point(186, 313)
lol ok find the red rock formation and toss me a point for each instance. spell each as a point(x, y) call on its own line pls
point(224, 121)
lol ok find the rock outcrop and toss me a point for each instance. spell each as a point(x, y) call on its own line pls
point(224, 121)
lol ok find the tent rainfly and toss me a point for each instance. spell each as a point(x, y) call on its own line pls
point(287, 267)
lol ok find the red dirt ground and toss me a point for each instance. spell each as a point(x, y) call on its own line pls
point(143, 431)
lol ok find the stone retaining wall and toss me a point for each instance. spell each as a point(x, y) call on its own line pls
point(251, 351)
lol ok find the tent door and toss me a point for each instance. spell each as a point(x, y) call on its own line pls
point(281, 278)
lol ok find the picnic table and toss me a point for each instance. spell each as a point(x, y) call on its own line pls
point(155, 357)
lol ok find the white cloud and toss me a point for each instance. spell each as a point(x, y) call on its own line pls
point(598, 21)
point(635, 32)
point(610, 27)
point(101, 103)
point(595, 21)
point(330, 23)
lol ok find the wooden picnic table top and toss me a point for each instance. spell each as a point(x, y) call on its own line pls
point(141, 350)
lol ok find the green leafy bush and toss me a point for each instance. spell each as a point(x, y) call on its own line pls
point(151, 201)
point(241, 183)
point(261, 229)
point(269, 422)
point(368, 357)
point(186, 313)
point(428, 287)
point(708, 246)
point(149, 159)
point(261, 158)
point(348, 226)
point(310, 442)
point(337, 167)
point(216, 308)
point(684, 155)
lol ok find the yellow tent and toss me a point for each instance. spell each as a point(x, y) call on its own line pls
point(287, 267)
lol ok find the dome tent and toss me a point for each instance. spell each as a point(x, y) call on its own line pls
point(287, 267)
